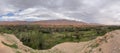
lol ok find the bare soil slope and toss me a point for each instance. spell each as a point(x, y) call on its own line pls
point(109, 43)
point(10, 44)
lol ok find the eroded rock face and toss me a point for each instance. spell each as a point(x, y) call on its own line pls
point(109, 43)
point(112, 44)
point(10, 44)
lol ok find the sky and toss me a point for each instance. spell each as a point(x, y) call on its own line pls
point(91, 11)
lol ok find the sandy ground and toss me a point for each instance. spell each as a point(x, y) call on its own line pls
point(70, 47)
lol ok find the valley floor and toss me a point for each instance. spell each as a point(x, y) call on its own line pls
point(109, 43)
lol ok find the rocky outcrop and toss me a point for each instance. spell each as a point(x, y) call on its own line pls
point(109, 43)
point(10, 44)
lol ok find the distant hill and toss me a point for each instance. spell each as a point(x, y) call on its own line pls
point(48, 23)
point(13, 22)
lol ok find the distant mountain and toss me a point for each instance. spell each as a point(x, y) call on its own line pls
point(59, 22)
point(13, 22)
point(47, 23)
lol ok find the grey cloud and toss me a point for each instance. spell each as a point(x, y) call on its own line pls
point(52, 4)
point(88, 10)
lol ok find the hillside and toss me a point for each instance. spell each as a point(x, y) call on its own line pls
point(109, 43)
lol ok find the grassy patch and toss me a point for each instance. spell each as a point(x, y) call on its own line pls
point(12, 46)
point(18, 52)
point(94, 45)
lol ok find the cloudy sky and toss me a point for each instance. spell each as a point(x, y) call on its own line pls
point(93, 11)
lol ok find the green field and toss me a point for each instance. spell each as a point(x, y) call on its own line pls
point(38, 37)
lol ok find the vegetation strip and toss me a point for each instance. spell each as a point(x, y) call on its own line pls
point(38, 37)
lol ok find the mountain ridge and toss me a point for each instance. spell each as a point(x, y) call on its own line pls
point(60, 22)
